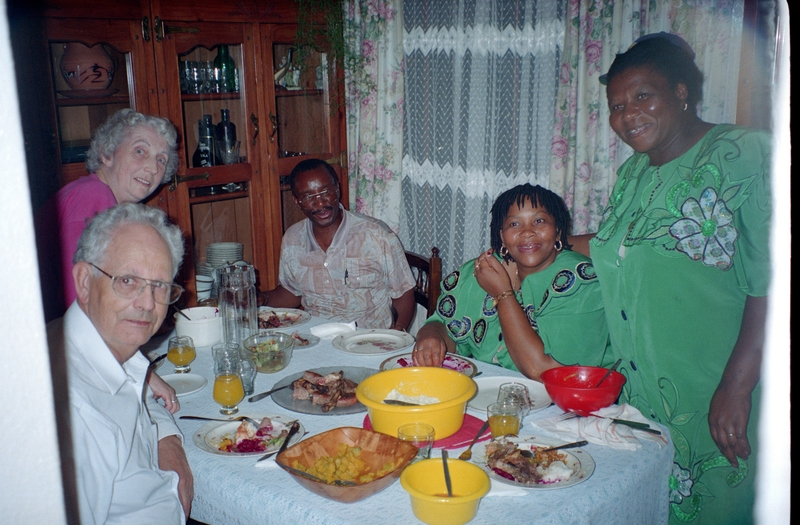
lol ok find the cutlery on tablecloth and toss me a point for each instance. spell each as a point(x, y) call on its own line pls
point(614, 367)
point(262, 395)
point(237, 418)
point(637, 425)
point(292, 431)
point(467, 454)
point(154, 362)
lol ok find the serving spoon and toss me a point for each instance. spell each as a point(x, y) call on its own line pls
point(447, 474)
point(337, 482)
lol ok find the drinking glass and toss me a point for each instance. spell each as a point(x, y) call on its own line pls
point(228, 388)
point(194, 77)
point(181, 353)
point(228, 153)
point(504, 418)
point(249, 371)
point(420, 435)
point(515, 393)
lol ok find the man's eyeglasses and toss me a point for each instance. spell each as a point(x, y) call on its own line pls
point(131, 287)
point(326, 195)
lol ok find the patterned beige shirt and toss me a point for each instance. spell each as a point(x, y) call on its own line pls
point(364, 268)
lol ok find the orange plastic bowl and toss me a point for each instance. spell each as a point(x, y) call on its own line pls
point(572, 388)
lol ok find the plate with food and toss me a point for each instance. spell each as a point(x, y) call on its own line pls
point(451, 361)
point(304, 340)
point(373, 342)
point(489, 387)
point(323, 391)
point(523, 462)
point(277, 318)
point(242, 438)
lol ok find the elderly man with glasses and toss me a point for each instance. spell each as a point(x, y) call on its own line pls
point(340, 265)
point(129, 459)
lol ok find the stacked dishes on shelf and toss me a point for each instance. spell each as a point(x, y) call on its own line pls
point(219, 254)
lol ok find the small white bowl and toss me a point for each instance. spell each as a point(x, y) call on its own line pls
point(205, 326)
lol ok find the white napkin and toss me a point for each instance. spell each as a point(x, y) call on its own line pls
point(599, 429)
point(331, 330)
point(268, 463)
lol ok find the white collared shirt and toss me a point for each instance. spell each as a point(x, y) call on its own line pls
point(114, 435)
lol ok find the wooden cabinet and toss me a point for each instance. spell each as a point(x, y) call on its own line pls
point(163, 54)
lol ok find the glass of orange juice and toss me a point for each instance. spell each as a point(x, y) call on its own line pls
point(504, 418)
point(181, 353)
point(228, 388)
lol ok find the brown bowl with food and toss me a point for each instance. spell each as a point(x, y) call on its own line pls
point(370, 460)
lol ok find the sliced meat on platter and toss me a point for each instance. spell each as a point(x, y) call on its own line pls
point(329, 391)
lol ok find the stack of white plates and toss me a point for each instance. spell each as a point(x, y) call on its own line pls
point(222, 253)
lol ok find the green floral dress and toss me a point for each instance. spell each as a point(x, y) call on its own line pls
point(563, 303)
point(680, 248)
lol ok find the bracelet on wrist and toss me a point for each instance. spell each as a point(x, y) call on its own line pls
point(496, 299)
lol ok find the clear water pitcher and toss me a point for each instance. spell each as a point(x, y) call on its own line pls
point(237, 302)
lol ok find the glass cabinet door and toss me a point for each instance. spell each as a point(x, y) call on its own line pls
point(92, 67)
point(205, 88)
point(306, 114)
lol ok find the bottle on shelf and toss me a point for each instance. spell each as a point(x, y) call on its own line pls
point(204, 155)
point(227, 146)
point(228, 76)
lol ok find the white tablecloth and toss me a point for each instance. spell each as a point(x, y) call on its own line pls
point(626, 487)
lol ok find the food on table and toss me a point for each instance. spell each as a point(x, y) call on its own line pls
point(268, 356)
point(346, 465)
point(332, 390)
point(298, 340)
point(415, 400)
point(506, 460)
point(270, 319)
point(248, 438)
point(228, 389)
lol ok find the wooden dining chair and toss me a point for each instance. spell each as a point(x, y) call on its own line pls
point(428, 275)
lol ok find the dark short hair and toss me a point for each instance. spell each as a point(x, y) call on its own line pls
point(308, 165)
point(669, 55)
point(551, 202)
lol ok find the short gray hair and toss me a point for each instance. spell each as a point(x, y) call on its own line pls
point(96, 237)
point(113, 131)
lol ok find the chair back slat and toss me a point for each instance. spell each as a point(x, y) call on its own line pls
point(428, 275)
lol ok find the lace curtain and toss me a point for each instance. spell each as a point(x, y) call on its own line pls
point(502, 92)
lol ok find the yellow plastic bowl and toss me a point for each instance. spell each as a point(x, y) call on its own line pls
point(424, 482)
point(451, 388)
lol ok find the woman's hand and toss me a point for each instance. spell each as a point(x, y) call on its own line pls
point(491, 274)
point(728, 416)
point(729, 411)
point(162, 390)
point(432, 345)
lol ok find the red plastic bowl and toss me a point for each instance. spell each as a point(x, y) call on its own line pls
point(572, 388)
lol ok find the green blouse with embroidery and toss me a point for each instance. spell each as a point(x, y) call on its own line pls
point(680, 248)
point(562, 302)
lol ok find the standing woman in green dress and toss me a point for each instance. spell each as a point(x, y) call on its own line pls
point(682, 256)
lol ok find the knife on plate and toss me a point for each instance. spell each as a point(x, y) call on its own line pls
point(262, 395)
point(292, 431)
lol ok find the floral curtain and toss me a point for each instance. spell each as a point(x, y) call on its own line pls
point(374, 98)
point(586, 152)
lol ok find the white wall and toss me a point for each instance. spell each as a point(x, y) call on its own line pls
point(30, 475)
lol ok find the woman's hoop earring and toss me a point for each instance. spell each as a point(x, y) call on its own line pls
point(559, 245)
point(685, 106)
point(504, 251)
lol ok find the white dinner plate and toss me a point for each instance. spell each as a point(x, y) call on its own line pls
point(209, 436)
point(185, 384)
point(451, 361)
point(489, 387)
point(373, 342)
point(311, 338)
point(284, 397)
point(289, 317)
point(578, 460)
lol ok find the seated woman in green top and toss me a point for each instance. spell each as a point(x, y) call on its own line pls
point(528, 304)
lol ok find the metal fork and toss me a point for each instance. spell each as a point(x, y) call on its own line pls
point(237, 418)
point(565, 416)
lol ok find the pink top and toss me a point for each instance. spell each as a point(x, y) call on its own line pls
point(74, 205)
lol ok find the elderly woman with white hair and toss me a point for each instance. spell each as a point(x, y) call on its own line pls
point(130, 156)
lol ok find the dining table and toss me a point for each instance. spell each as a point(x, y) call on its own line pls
point(627, 486)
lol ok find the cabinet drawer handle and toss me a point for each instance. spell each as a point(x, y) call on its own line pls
point(146, 29)
point(178, 179)
point(274, 121)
